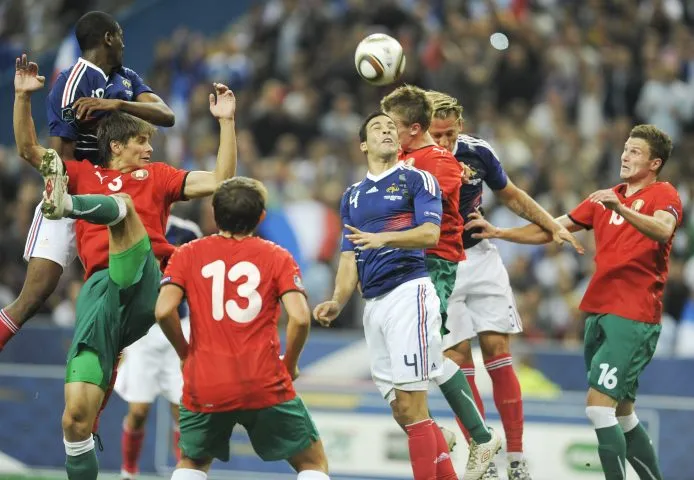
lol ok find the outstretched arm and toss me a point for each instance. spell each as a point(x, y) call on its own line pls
point(531, 234)
point(26, 81)
point(146, 106)
point(202, 184)
point(524, 206)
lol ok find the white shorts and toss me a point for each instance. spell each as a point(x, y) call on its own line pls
point(402, 330)
point(482, 299)
point(151, 367)
point(51, 239)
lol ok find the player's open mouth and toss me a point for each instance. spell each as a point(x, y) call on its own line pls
point(387, 140)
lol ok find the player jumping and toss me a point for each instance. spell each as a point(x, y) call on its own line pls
point(233, 373)
point(634, 224)
point(120, 242)
point(482, 302)
point(95, 84)
point(390, 217)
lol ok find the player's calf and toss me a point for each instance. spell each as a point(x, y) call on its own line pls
point(311, 463)
point(40, 282)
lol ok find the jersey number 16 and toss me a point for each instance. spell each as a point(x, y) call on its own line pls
point(217, 270)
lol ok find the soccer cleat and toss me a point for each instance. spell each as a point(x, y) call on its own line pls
point(518, 471)
point(481, 455)
point(55, 185)
point(492, 473)
point(449, 436)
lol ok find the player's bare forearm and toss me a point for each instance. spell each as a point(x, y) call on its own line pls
point(150, 108)
point(298, 326)
point(226, 154)
point(425, 235)
point(25, 137)
point(522, 204)
point(532, 234)
point(346, 279)
point(659, 227)
point(166, 314)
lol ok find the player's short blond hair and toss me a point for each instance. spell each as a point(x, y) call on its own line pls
point(411, 104)
point(444, 105)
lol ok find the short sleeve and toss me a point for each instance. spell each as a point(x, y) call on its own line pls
point(171, 181)
point(288, 274)
point(427, 198)
point(347, 246)
point(668, 200)
point(449, 174)
point(61, 117)
point(176, 269)
point(496, 177)
point(138, 85)
point(584, 214)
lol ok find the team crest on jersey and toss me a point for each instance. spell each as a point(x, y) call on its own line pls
point(637, 205)
point(393, 193)
point(140, 174)
point(68, 115)
point(392, 189)
point(127, 83)
point(297, 281)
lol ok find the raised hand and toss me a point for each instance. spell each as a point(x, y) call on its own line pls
point(26, 76)
point(224, 106)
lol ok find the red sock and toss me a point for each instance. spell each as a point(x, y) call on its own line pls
point(7, 328)
point(131, 447)
point(107, 395)
point(468, 370)
point(421, 440)
point(176, 439)
point(444, 466)
point(508, 399)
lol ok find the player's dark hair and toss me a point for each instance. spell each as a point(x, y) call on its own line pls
point(91, 28)
point(411, 104)
point(659, 142)
point(365, 123)
point(119, 127)
point(239, 204)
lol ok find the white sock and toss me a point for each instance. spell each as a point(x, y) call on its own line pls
point(628, 422)
point(75, 449)
point(514, 457)
point(450, 368)
point(312, 475)
point(188, 474)
point(122, 210)
point(67, 203)
point(602, 417)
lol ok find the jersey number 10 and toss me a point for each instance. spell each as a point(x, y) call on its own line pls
point(217, 270)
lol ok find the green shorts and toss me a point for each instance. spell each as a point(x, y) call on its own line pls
point(616, 351)
point(442, 273)
point(276, 433)
point(111, 317)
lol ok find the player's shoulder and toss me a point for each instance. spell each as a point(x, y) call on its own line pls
point(414, 175)
point(348, 191)
point(664, 188)
point(272, 248)
point(469, 144)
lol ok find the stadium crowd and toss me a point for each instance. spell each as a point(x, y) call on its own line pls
point(556, 105)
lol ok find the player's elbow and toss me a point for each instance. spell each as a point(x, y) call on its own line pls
point(431, 235)
point(162, 311)
point(168, 119)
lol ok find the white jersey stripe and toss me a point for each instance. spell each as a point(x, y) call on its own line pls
point(76, 83)
point(74, 73)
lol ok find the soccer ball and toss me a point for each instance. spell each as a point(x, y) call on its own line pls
point(379, 59)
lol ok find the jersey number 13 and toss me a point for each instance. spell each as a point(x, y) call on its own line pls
point(217, 270)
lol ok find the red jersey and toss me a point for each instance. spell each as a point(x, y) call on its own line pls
point(631, 269)
point(443, 165)
point(153, 188)
point(233, 289)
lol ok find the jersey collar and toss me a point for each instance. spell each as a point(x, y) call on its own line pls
point(376, 178)
point(90, 64)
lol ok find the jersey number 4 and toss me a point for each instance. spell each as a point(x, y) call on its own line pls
point(217, 270)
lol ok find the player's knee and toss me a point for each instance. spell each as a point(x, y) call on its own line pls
point(137, 415)
point(125, 201)
point(601, 417)
point(409, 407)
point(493, 344)
point(76, 422)
point(461, 353)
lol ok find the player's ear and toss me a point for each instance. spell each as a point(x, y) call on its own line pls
point(108, 38)
point(262, 216)
point(655, 164)
point(363, 147)
point(116, 147)
point(415, 128)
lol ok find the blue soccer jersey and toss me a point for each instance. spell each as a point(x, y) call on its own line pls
point(178, 232)
point(399, 199)
point(84, 79)
point(486, 167)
